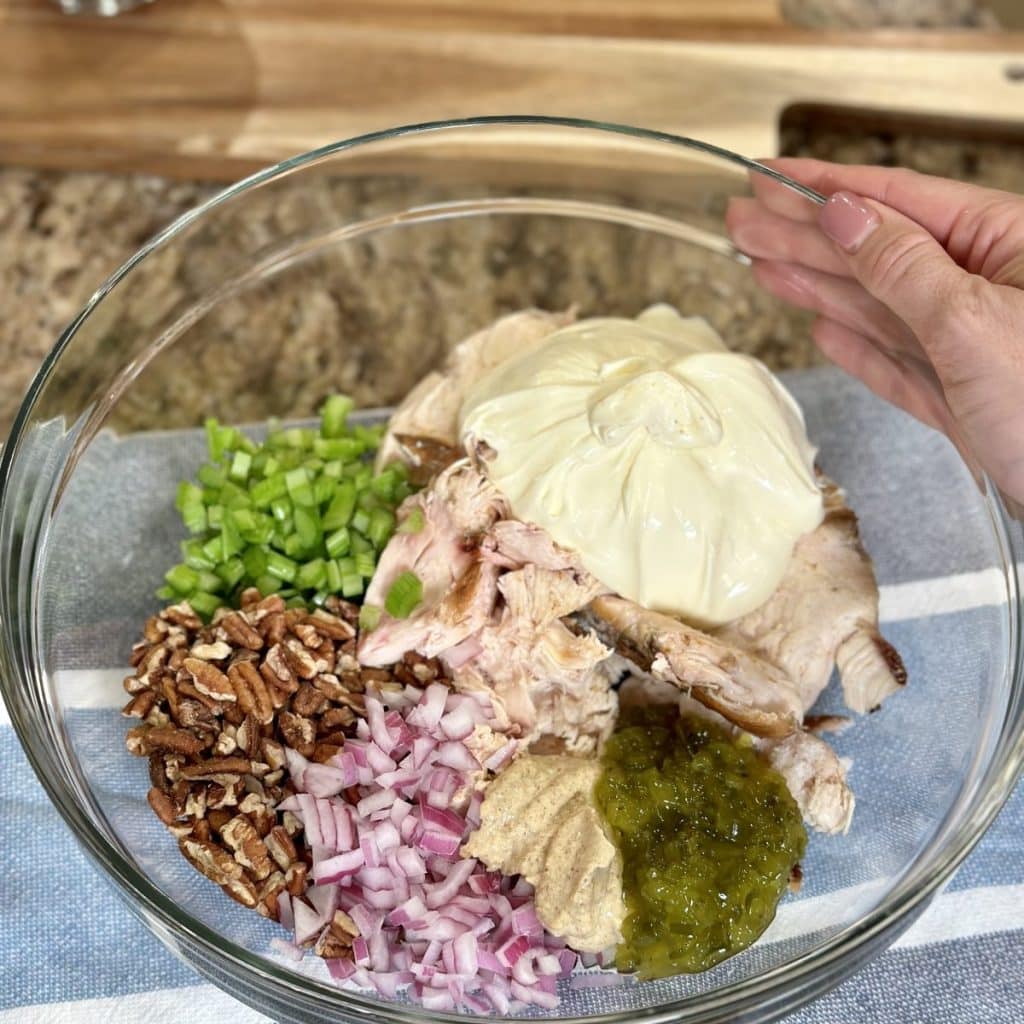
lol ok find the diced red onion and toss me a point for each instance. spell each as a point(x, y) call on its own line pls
point(323, 780)
point(462, 653)
point(284, 912)
point(296, 765)
point(501, 756)
point(461, 936)
point(457, 755)
point(334, 869)
point(287, 949)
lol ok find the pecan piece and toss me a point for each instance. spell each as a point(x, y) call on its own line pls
point(163, 806)
point(209, 679)
point(239, 632)
point(167, 737)
point(301, 662)
point(331, 625)
point(140, 705)
point(215, 766)
point(295, 879)
point(308, 701)
point(299, 733)
point(251, 690)
point(216, 651)
point(242, 891)
point(182, 615)
point(280, 846)
point(211, 860)
point(247, 846)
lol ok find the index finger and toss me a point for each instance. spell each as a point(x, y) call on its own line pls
point(934, 203)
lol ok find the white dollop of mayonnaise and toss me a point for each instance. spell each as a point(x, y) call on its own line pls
point(679, 471)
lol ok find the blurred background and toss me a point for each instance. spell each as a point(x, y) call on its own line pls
point(111, 126)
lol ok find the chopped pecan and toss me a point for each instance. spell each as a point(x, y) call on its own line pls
point(140, 705)
point(167, 737)
point(201, 830)
point(247, 846)
point(272, 753)
point(274, 627)
point(299, 733)
point(213, 766)
point(211, 860)
point(308, 635)
point(226, 744)
point(323, 752)
point(295, 878)
point(280, 846)
point(219, 796)
point(182, 615)
point(216, 651)
point(242, 891)
point(301, 662)
point(218, 818)
point(163, 806)
point(251, 690)
point(239, 632)
point(335, 718)
point(276, 664)
point(308, 701)
point(195, 803)
point(209, 679)
point(331, 625)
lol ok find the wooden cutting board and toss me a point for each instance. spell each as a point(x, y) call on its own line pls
point(217, 88)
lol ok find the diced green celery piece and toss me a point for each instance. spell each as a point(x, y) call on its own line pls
point(266, 491)
point(404, 595)
point(187, 494)
point(282, 567)
point(366, 564)
point(402, 491)
point(334, 416)
point(342, 505)
point(312, 575)
point(214, 549)
point(182, 578)
point(369, 616)
point(384, 485)
point(268, 585)
point(295, 602)
point(195, 557)
point(214, 439)
point(333, 469)
point(361, 521)
point(209, 582)
point(204, 604)
point(255, 562)
point(231, 539)
point(241, 464)
point(244, 519)
point(338, 542)
point(299, 486)
point(166, 593)
point(307, 527)
point(270, 466)
point(351, 586)
point(333, 577)
point(360, 544)
point(194, 518)
point(281, 509)
point(344, 448)
point(215, 516)
point(413, 522)
point(323, 490)
point(231, 572)
point(294, 548)
point(212, 476)
point(382, 526)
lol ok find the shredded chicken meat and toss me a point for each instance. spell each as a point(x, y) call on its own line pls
point(825, 613)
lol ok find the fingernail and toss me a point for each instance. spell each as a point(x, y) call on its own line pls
point(847, 220)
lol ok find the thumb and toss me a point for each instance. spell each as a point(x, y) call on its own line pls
point(895, 260)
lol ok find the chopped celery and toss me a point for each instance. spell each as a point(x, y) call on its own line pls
point(404, 595)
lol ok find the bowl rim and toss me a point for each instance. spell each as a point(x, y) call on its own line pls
point(817, 969)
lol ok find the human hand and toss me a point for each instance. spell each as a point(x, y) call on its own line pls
point(918, 283)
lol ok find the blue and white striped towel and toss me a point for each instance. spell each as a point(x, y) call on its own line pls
point(71, 954)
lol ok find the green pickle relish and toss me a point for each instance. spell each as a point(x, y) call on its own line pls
point(708, 834)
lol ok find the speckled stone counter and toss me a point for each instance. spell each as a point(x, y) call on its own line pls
point(61, 234)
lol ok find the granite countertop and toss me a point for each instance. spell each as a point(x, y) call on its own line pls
point(61, 234)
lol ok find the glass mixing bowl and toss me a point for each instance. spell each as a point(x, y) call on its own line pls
point(354, 268)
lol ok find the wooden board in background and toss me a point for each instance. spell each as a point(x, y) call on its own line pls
point(206, 88)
